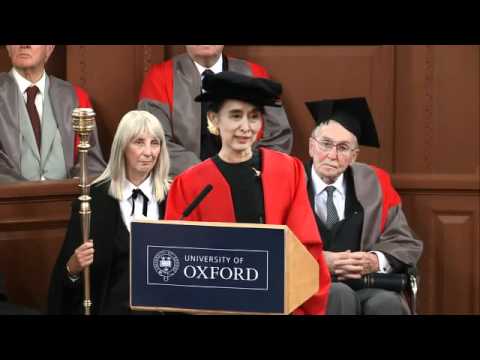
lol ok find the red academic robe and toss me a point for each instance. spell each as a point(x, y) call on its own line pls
point(168, 92)
point(286, 203)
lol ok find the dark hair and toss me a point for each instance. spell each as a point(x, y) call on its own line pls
point(215, 106)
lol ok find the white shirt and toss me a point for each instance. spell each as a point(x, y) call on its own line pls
point(126, 206)
point(216, 68)
point(23, 84)
point(126, 202)
point(339, 197)
point(321, 196)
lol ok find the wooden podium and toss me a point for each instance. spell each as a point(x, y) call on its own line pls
point(33, 220)
point(219, 268)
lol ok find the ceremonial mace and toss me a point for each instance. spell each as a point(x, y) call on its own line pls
point(83, 125)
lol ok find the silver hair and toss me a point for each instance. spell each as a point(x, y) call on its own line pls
point(131, 125)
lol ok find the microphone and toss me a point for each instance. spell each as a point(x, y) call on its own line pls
point(196, 201)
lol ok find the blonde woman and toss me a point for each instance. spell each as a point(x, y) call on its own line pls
point(134, 183)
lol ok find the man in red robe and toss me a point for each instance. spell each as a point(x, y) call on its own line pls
point(168, 92)
point(358, 212)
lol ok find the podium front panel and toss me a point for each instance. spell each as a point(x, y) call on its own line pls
point(204, 267)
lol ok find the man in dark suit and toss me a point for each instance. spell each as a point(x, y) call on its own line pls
point(37, 141)
point(358, 212)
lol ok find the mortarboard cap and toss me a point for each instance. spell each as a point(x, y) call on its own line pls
point(231, 85)
point(352, 113)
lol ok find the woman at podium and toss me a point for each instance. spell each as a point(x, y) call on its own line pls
point(134, 184)
point(250, 184)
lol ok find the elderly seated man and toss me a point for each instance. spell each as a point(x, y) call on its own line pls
point(358, 212)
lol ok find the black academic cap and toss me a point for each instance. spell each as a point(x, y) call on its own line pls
point(353, 114)
point(231, 85)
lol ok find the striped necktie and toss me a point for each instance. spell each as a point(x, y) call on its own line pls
point(332, 215)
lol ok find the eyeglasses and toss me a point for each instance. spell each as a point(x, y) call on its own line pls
point(342, 147)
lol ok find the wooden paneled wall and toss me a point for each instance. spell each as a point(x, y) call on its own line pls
point(425, 101)
point(112, 75)
point(33, 221)
point(437, 169)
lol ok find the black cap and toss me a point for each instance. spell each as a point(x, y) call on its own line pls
point(231, 85)
point(353, 114)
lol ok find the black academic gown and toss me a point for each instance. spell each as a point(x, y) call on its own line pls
point(110, 236)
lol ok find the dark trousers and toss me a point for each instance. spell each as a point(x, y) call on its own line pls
point(343, 300)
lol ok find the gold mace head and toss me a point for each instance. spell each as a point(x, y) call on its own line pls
point(83, 120)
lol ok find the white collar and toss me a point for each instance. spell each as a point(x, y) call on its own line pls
point(23, 83)
point(146, 187)
point(319, 185)
point(216, 68)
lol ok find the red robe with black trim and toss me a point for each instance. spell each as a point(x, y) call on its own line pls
point(285, 200)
